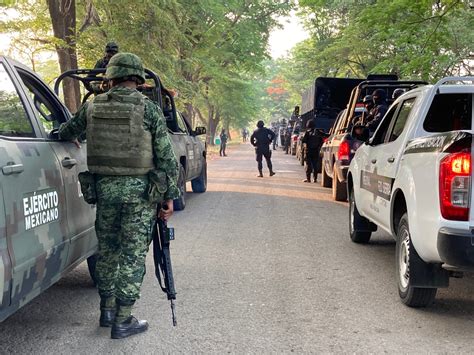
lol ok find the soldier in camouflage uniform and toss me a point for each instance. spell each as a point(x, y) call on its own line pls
point(130, 154)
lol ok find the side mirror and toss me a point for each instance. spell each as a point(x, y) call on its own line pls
point(200, 131)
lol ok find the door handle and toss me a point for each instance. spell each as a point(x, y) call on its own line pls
point(373, 161)
point(10, 169)
point(68, 162)
point(391, 159)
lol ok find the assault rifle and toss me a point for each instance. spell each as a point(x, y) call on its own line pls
point(162, 235)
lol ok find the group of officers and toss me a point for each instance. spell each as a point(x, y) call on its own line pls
point(376, 106)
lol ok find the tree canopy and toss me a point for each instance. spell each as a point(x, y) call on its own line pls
point(215, 54)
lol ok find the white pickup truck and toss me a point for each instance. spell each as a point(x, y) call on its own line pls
point(413, 179)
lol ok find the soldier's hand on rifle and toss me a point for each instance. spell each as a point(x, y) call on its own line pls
point(165, 214)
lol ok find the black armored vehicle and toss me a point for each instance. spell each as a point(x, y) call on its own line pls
point(322, 102)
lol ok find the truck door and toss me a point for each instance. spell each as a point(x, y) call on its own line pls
point(33, 195)
point(50, 113)
point(5, 269)
point(371, 181)
point(191, 147)
point(385, 159)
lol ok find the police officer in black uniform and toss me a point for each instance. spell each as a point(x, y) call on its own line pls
point(312, 141)
point(381, 107)
point(261, 139)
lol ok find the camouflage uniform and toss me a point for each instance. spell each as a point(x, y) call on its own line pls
point(124, 216)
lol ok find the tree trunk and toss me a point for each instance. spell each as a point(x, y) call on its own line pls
point(213, 122)
point(63, 18)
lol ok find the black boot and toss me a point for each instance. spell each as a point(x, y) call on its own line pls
point(272, 173)
point(260, 174)
point(107, 317)
point(130, 326)
point(107, 311)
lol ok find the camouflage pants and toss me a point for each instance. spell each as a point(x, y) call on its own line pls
point(124, 234)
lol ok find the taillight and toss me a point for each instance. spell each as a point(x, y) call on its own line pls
point(325, 139)
point(295, 138)
point(344, 150)
point(455, 186)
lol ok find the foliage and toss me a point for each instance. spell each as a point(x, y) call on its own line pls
point(209, 51)
point(214, 54)
point(415, 39)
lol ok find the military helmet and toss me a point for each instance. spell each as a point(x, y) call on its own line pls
point(367, 99)
point(125, 64)
point(260, 124)
point(379, 94)
point(397, 92)
point(111, 47)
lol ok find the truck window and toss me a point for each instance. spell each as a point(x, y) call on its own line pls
point(181, 124)
point(401, 119)
point(449, 112)
point(14, 121)
point(382, 130)
point(45, 107)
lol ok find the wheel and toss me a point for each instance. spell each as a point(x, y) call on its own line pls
point(199, 184)
point(410, 296)
point(326, 180)
point(180, 203)
point(339, 189)
point(356, 219)
point(91, 265)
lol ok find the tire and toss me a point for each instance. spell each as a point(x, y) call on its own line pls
point(91, 265)
point(326, 180)
point(199, 184)
point(339, 189)
point(411, 296)
point(360, 237)
point(180, 203)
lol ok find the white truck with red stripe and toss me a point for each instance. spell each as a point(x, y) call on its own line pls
point(413, 179)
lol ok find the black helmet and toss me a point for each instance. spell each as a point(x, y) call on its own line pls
point(398, 92)
point(310, 124)
point(379, 95)
point(260, 124)
point(111, 47)
point(367, 99)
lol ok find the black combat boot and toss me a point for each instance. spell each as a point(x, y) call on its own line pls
point(130, 326)
point(260, 173)
point(107, 311)
point(125, 324)
point(272, 173)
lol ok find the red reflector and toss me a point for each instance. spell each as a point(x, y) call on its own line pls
point(344, 150)
point(455, 186)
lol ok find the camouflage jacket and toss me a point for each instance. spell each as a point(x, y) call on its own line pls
point(130, 189)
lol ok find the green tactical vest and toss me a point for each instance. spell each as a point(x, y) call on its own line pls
point(117, 143)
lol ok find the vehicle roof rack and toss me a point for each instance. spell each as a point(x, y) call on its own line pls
point(454, 79)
